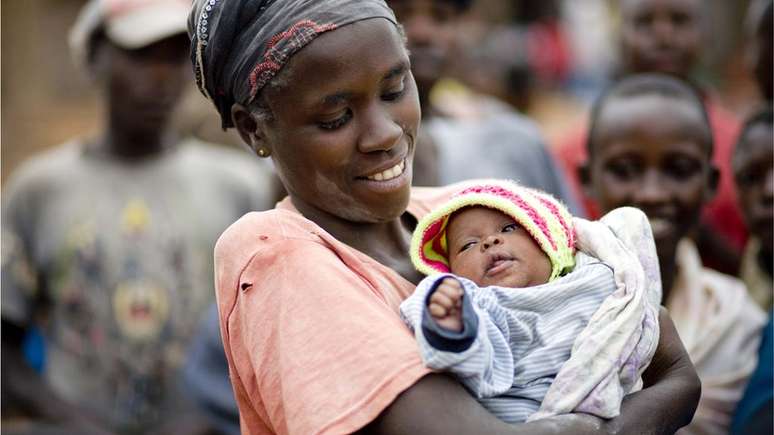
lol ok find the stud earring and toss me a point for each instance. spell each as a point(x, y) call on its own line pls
point(263, 152)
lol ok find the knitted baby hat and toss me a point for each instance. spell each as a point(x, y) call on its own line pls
point(544, 217)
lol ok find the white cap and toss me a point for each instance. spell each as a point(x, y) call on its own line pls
point(128, 23)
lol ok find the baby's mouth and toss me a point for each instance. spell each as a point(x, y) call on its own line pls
point(498, 262)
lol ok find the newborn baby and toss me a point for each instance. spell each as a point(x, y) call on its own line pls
point(529, 326)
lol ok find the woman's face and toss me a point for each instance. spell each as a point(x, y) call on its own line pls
point(652, 152)
point(344, 127)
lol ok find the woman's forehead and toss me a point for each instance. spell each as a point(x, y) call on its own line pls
point(372, 44)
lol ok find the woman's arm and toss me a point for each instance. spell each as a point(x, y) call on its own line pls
point(437, 404)
point(671, 393)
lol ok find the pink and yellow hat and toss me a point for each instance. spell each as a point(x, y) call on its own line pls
point(542, 215)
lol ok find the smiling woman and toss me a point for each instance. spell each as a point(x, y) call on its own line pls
point(309, 293)
point(344, 131)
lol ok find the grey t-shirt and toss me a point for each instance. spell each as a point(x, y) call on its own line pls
point(113, 261)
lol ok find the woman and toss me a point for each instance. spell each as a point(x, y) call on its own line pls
point(308, 293)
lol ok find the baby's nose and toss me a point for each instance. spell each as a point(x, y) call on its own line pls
point(491, 241)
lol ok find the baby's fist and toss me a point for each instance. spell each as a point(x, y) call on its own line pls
point(445, 304)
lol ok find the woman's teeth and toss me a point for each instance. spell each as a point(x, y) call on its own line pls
point(389, 174)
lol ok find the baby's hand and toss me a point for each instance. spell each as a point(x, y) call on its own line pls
point(445, 304)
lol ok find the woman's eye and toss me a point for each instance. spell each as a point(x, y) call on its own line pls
point(396, 93)
point(510, 227)
point(336, 123)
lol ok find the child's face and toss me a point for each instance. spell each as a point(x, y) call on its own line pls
point(652, 152)
point(660, 35)
point(754, 172)
point(489, 248)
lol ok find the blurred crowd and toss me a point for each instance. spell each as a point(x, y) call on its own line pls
point(109, 322)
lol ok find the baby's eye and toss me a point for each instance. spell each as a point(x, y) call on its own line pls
point(510, 227)
point(466, 246)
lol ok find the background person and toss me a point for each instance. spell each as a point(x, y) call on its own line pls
point(668, 36)
point(753, 163)
point(650, 147)
point(107, 241)
point(475, 136)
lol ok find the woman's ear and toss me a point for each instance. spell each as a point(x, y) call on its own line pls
point(251, 130)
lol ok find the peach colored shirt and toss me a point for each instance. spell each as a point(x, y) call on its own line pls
point(310, 325)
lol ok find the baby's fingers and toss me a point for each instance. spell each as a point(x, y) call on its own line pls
point(451, 282)
point(442, 298)
point(452, 292)
point(437, 310)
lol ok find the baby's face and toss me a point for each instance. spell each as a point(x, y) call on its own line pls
point(488, 247)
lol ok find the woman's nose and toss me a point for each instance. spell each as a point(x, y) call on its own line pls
point(380, 131)
point(490, 241)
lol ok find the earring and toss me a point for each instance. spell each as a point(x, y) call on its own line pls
point(263, 152)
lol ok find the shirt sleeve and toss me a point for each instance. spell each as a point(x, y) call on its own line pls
point(480, 355)
point(315, 344)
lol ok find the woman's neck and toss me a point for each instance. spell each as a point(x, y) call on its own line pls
point(386, 242)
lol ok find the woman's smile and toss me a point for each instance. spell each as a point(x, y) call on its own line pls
point(390, 173)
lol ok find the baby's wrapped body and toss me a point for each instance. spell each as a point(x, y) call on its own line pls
point(577, 343)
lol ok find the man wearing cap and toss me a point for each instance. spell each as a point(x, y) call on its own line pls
point(107, 242)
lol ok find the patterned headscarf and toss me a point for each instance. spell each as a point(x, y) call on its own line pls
point(543, 216)
point(238, 46)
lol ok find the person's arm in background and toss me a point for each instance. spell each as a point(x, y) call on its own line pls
point(26, 397)
point(206, 377)
point(437, 404)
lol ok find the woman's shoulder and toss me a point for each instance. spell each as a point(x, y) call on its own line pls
point(270, 225)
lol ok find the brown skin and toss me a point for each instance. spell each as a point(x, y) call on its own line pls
point(374, 108)
point(487, 247)
point(652, 152)
point(661, 36)
point(141, 88)
point(490, 248)
point(753, 164)
point(323, 172)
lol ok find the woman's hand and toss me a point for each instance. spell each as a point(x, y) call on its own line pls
point(672, 389)
point(437, 404)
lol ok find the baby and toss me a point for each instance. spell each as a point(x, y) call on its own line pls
point(531, 328)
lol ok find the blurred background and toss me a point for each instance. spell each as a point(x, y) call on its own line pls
point(546, 58)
